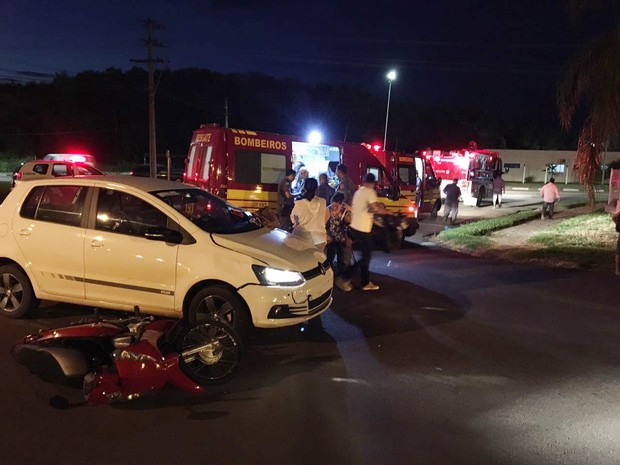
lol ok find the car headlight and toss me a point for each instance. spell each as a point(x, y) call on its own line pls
point(274, 277)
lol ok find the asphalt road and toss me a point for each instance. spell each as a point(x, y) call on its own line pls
point(456, 360)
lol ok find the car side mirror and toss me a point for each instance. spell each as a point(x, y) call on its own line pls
point(163, 235)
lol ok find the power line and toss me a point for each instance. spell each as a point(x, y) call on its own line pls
point(57, 133)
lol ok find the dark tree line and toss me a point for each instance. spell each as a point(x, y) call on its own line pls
point(106, 113)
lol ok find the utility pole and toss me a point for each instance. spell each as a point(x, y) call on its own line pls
point(226, 112)
point(150, 43)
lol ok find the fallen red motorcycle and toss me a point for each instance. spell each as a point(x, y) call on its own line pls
point(122, 359)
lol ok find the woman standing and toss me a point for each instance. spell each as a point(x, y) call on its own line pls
point(309, 216)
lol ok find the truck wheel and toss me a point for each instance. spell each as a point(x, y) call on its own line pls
point(480, 197)
point(219, 303)
point(17, 297)
point(436, 209)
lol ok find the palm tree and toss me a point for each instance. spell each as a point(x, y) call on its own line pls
point(593, 79)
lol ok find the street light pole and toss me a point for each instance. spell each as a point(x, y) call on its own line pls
point(391, 76)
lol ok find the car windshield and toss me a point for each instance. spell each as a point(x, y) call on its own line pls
point(208, 212)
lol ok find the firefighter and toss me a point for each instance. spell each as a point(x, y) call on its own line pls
point(286, 202)
point(345, 185)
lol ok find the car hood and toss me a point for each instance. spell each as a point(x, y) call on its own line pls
point(274, 247)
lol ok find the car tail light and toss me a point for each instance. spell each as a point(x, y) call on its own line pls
point(17, 176)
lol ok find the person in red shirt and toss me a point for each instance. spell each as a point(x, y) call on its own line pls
point(616, 219)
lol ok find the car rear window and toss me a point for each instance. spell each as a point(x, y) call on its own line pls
point(56, 204)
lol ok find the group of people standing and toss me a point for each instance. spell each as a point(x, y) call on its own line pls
point(332, 219)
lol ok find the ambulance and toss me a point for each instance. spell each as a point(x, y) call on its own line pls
point(245, 167)
point(416, 178)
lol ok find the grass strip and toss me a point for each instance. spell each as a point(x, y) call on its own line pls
point(586, 240)
point(485, 227)
point(589, 231)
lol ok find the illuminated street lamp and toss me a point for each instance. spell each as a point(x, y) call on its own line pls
point(391, 76)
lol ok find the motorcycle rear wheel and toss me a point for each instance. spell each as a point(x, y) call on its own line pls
point(209, 351)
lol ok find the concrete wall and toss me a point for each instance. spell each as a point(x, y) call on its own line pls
point(535, 161)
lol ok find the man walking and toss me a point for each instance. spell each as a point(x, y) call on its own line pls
point(549, 193)
point(364, 205)
point(616, 219)
point(451, 207)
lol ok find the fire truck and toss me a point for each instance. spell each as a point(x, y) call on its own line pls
point(245, 167)
point(474, 168)
point(416, 178)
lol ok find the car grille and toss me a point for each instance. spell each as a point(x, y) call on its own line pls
point(314, 272)
point(316, 303)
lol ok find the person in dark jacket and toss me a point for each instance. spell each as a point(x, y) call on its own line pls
point(451, 207)
point(286, 201)
point(325, 191)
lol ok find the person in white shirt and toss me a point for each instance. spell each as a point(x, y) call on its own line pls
point(364, 205)
point(549, 193)
point(309, 216)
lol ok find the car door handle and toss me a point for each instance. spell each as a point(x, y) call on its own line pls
point(96, 244)
point(25, 233)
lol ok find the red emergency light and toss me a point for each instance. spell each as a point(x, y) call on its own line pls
point(78, 158)
point(373, 147)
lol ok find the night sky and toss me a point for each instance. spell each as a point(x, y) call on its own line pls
point(501, 55)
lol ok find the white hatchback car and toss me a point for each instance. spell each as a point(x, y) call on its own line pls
point(171, 249)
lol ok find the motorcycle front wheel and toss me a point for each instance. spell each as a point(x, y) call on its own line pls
point(209, 351)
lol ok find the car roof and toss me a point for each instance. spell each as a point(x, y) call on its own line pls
point(143, 184)
point(55, 162)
